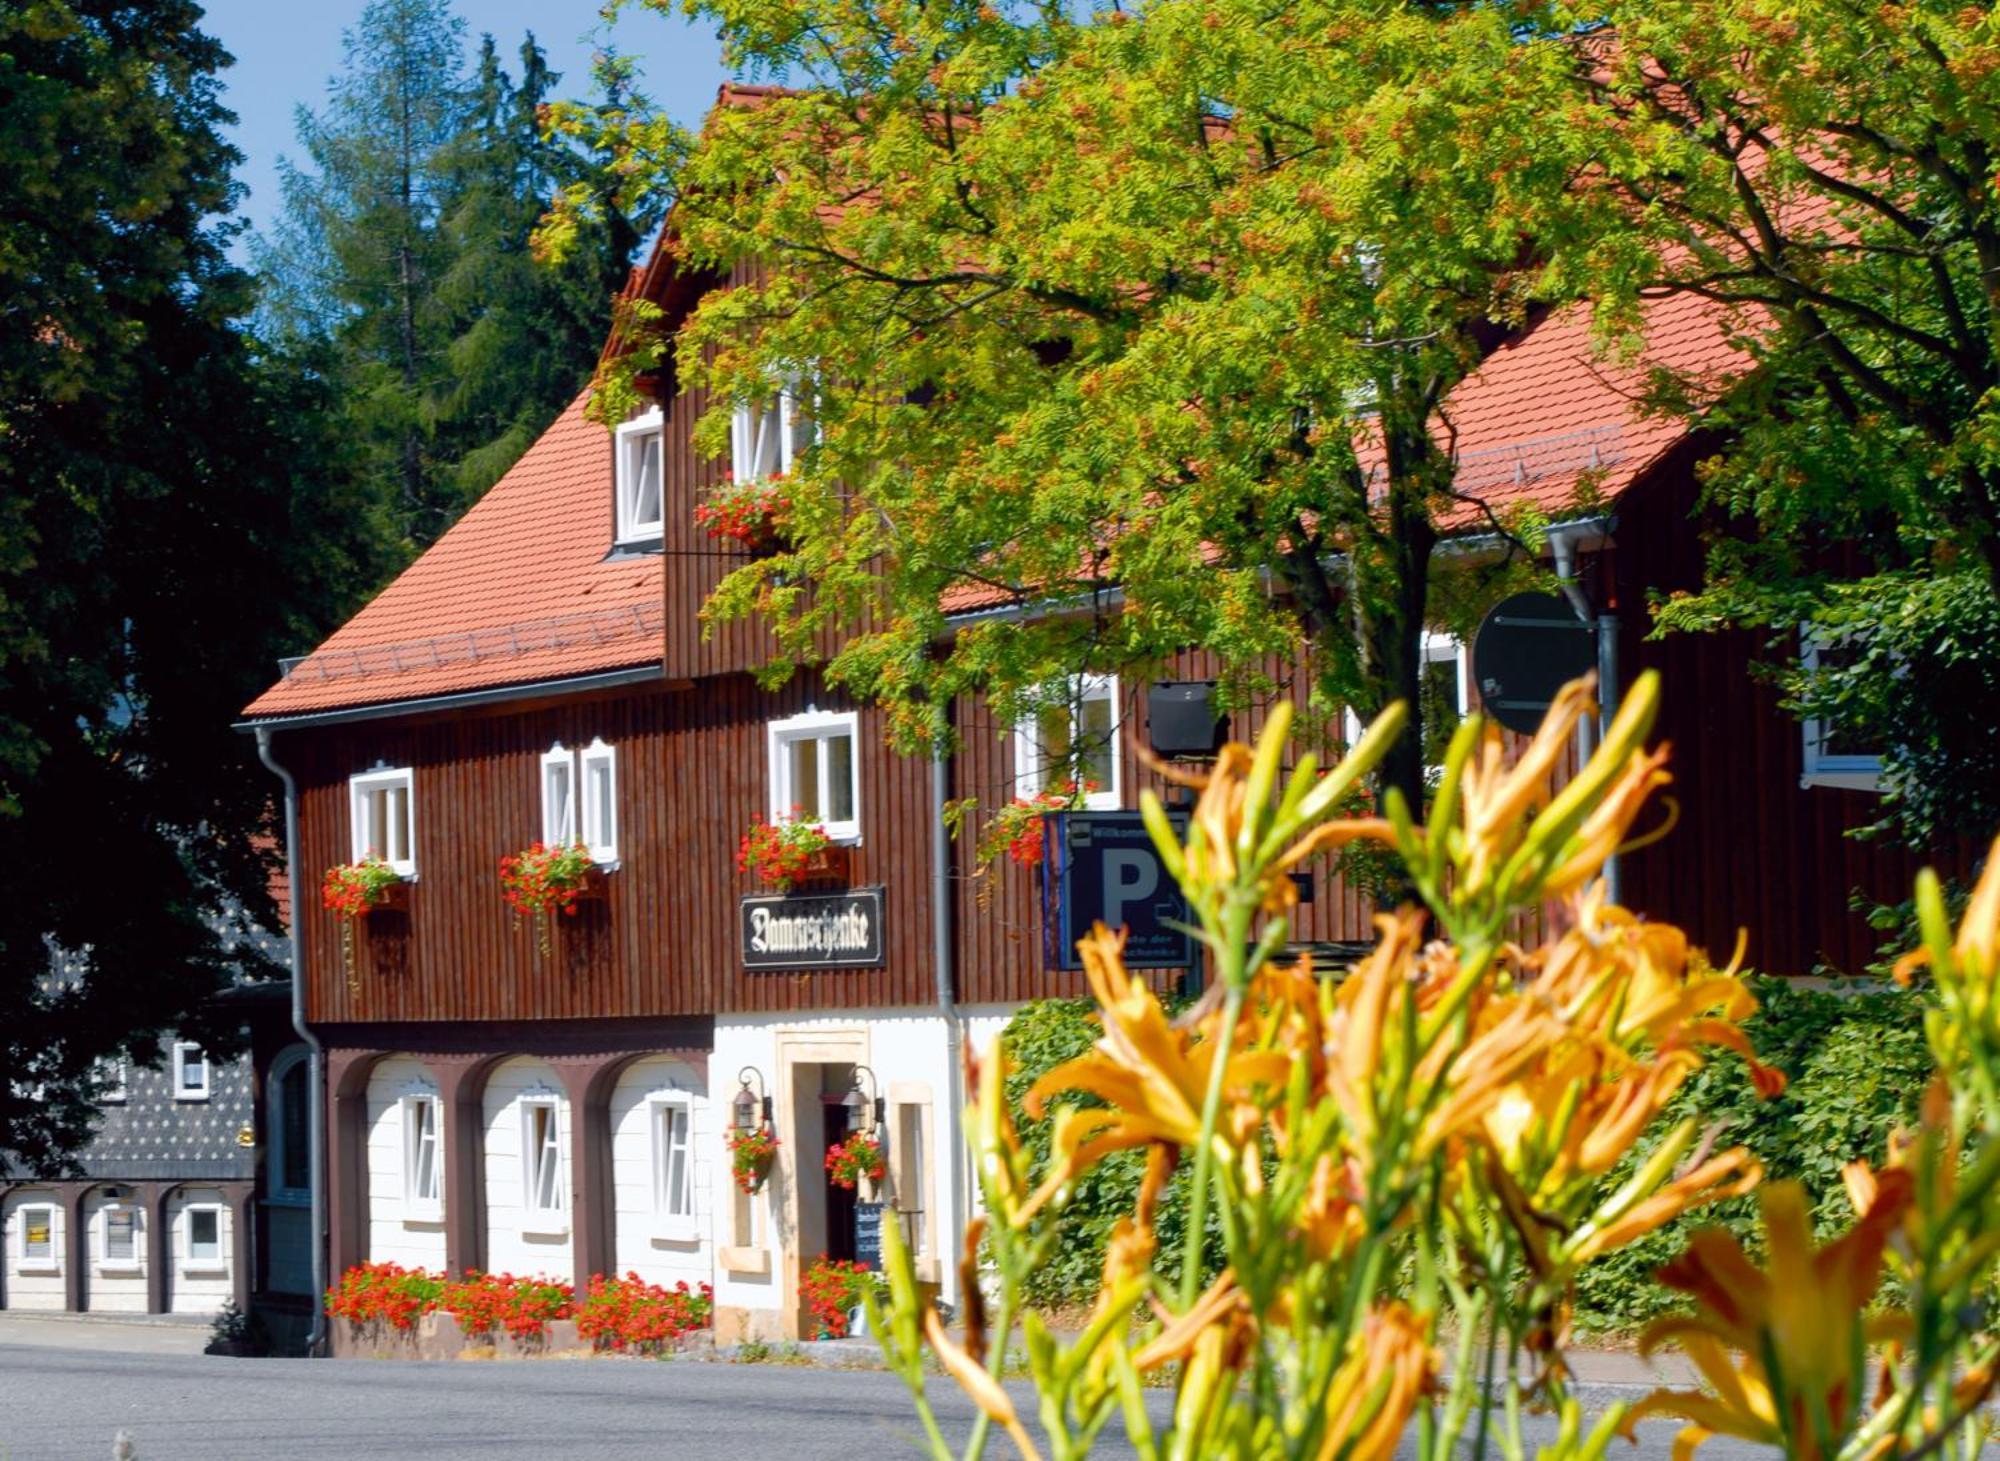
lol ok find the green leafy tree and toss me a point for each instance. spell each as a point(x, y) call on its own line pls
point(1146, 319)
point(1826, 173)
point(402, 258)
point(521, 333)
point(144, 441)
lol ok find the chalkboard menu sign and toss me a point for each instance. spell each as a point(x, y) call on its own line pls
point(868, 1235)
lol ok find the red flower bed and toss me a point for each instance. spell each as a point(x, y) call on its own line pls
point(629, 1313)
point(832, 1288)
point(616, 1313)
point(384, 1292)
point(484, 1302)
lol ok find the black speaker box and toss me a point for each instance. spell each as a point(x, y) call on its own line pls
point(1181, 718)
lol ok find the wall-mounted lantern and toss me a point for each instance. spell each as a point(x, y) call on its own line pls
point(751, 1109)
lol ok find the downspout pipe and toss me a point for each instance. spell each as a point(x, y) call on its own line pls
point(943, 959)
point(316, 1055)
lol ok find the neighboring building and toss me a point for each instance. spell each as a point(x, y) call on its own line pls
point(541, 673)
point(192, 1193)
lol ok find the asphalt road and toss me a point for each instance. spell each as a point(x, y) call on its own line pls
point(68, 1404)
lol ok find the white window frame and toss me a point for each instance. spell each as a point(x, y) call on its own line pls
point(747, 425)
point(660, 1107)
point(115, 1077)
point(420, 1206)
point(536, 1219)
point(1033, 764)
point(1829, 768)
point(137, 1262)
point(30, 1262)
point(601, 841)
point(183, 1091)
point(632, 440)
point(382, 778)
point(193, 1262)
point(815, 725)
point(1435, 648)
point(558, 822)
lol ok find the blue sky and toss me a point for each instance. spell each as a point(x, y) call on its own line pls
point(286, 49)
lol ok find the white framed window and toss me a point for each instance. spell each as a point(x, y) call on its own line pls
point(815, 773)
point(112, 1079)
point(382, 814)
point(190, 1067)
point(558, 796)
point(1831, 759)
point(203, 1231)
point(119, 1245)
point(41, 1246)
point(641, 479)
point(1444, 690)
point(1074, 737)
point(597, 790)
point(908, 1155)
point(544, 1196)
point(673, 1164)
point(423, 1168)
point(765, 439)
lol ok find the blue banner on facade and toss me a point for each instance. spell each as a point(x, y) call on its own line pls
point(1102, 867)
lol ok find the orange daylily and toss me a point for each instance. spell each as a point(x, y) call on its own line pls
point(1805, 1313)
point(1152, 1075)
point(1390, 1366)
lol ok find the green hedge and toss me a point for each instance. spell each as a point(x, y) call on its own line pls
point(1857, 1067)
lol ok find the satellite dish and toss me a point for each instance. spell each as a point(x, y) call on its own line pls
point(1528, 647)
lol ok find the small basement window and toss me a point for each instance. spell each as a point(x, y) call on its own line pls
point(190, 1071)
point(383, 819)
point(423, 1177)
point(39, 1253)
point(673, 1165)
point(814, 776)
point(641, 480)
point(204, 1239)
point(1076, 737)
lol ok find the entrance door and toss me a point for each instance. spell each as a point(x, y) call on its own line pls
point(839, 1200)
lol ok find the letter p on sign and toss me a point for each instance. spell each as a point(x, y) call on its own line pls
point(1129, 877)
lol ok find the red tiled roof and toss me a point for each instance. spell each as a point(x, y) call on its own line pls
point(520, 590)
point(1548, 415)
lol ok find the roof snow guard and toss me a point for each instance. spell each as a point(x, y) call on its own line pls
point(647, 619)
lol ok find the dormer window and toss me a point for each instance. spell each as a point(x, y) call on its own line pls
point(641, 480)
point(765, 438)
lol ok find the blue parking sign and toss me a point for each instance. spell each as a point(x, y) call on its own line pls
point(1102, 867)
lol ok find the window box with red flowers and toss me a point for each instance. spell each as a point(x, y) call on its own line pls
point(785, 854)
point(750, 513)
point(751, 1153)
point(544, 881)
point(1015, 831)
point(856, 1161)
point(354, 890)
